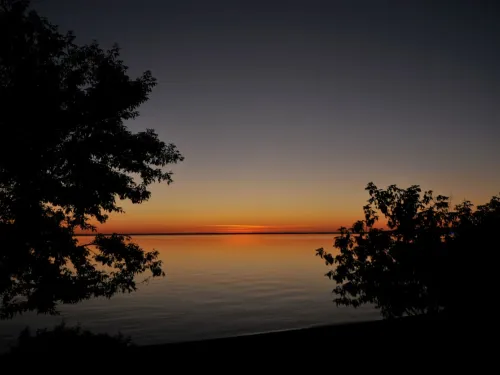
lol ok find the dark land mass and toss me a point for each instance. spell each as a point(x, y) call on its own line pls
point(405, 345)
point(345, 340)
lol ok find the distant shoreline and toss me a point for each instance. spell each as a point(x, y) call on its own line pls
point(204, 234)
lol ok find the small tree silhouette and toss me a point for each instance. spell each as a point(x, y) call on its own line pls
point(65, 158)
point(418, 265)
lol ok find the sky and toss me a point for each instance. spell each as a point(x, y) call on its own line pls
point(285, 110)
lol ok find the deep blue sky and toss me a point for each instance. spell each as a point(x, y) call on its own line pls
point(286, 109)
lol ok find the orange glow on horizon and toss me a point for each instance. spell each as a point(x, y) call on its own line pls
point(187, 208)
point(218, 228)
point(134, 227)
point(124, 224)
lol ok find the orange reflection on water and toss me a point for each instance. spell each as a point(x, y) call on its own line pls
point(205, 260)
point(250, 251)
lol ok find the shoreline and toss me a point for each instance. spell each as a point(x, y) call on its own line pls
point(403, 344)
point(362, 335)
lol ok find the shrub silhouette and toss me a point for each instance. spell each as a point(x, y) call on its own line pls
point(63, 340)
point(423, 262)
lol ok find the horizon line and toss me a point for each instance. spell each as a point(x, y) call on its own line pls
point(202, 233)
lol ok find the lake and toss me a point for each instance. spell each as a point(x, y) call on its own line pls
point(216, 286)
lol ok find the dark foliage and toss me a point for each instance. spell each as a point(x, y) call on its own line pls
point(67, 340)
point(66, 157)
point(428, 260)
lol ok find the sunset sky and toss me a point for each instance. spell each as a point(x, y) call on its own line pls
point(285, 110)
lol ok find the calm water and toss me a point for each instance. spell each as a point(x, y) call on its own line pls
point(216, 286)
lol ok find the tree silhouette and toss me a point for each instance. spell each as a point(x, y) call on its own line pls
point(423, 263)
point(66, 157)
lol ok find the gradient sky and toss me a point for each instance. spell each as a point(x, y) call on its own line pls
point(285, 110)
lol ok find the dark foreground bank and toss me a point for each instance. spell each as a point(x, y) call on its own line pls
point(415, 341)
